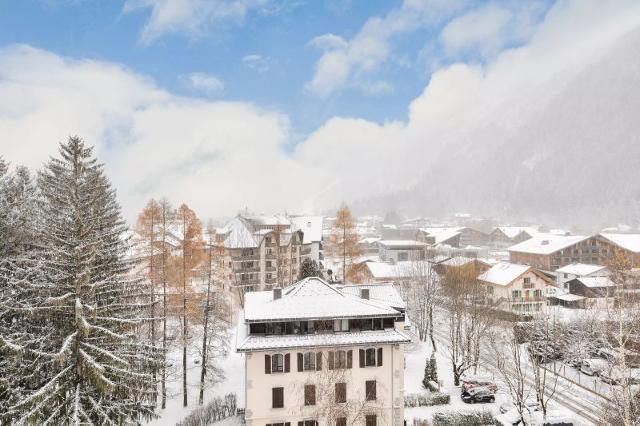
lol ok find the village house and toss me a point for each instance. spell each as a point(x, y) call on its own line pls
point(455, 263)
point(506, 236)
point(316, 353)
point(628, 244)
point(598, 292)
point(578, 270)
point(517, 288)
point(394, 251)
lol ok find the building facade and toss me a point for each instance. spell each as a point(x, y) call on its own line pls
point(320, 354)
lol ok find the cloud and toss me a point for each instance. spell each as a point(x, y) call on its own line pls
point(346, 62)
point(201, 81)
point(222, 156)
point(195, 18)
point(490, 27)
point(256, 62)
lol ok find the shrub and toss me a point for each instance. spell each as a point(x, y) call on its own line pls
point(461, 418)
point(426, 399)
point(218, 409)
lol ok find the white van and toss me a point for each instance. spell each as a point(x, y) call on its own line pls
point(593, 367)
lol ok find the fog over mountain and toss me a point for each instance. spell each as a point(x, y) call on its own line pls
point(575, 161)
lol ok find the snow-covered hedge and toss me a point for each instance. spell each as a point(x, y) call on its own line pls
point(219, 408)
point(432, 386)
point(426, 399)
point(463, 418)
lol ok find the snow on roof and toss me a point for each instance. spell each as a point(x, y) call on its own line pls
point(462, 260)
point(442, 234)
point(311, 226)
point(629, 242)
point(311, 298)
point(259, 342)
point(269, 220)
point(238, 234)
point(387, 270)
point(385, 293)
point(580, 269)
point(503, 273)
point(402, 243)
point(568, 297)
point(369, 240)
point(547, 243)
point(595, 282)
point(514, 231)
point(439, 259)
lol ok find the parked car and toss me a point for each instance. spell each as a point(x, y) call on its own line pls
point(512, 418)
point(469, 383)
point(614, 376)
point(530, 405)
point(478, 395)
point(593, 366)
point(574, 362)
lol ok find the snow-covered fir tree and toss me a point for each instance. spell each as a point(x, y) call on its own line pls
point(70, 313)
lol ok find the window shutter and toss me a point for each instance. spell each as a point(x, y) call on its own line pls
point(349, 358)
point(318, 361)
point(300, 361)
point(331, 360)
point(379, 357)
point(361, 358)
point(287, 362)
point(287, 424)
point(300, 423)
point(267, 364)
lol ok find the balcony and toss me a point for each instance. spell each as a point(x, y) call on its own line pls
point(305, 250)
point(246, 269)
point(531, 299)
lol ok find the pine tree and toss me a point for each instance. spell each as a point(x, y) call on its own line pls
point(433, 367)
point(309, 268)
point(75, 314)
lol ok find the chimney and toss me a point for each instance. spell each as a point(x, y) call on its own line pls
point(545, 242)
point(277, 293)
point(364, 293)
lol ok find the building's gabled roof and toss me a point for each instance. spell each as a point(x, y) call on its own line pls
point(369, 240)
point(311, 226)
point(514, 231)
point(442, 234)
point(546, 243)
point(462, 261)
point(581, 269)
point(269, 220)
point(595, 282)
point(399, 244)
point(436, 260)
point(384, 293)
point(503, 273)
point(384, 270)
point(629, 242)
point(311, 298)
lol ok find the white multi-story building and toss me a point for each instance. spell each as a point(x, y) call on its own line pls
point(319, 353)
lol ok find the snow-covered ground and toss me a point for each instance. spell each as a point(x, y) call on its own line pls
point(233, 366)
point(416, 355)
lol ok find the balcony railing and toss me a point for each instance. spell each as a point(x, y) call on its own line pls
point(530, 299)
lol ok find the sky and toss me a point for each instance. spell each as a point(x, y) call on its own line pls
point(281, 105)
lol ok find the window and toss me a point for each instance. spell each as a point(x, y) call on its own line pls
point(340, 359)
point(277, 397)
point(308, 423)
point(516, 294)
point(277, 363)
point(341, 421)
point(370, 420)
point(309, 361)
point(341, 325)
point(370, 357)
point(370, 389)
point(309, 394)
point(341, 392)
point(268, 264)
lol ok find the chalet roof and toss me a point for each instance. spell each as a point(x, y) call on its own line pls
point(311, 226)
point(402, 243)
point(514, 231)
point(569, 297)
point(442, 234)
point(312, 298)
point(629, 242)
point(503, 273)
point(462, 260)
point(239, 234)
point(581, 269)
point(259, 342)
point(595, 282)
point(547, 243)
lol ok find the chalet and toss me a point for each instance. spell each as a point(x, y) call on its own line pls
point(517, 288)
point(505, 236)
point(597, 292)
point(579, 270)
point(393, 251)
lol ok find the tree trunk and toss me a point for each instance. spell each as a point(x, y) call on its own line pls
point(164, 308)
point(203, 371)
point(184, 315)
point(433, 340)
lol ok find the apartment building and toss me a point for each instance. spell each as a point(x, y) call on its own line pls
point(517, 288)
point(316, 353)
point(260, 251)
